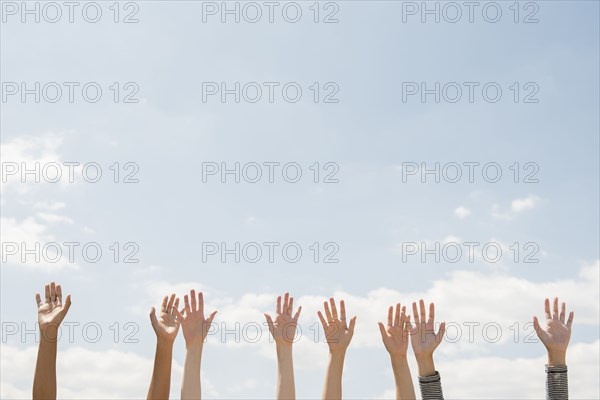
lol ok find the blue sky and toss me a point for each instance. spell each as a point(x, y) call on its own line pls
point(370, 134)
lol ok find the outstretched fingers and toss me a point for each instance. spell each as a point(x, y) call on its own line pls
point(170, 304)
point(175, 308)
point(333, 308)
point(278, 305)
point(53, 293)
point(290, 307)
point(297, 315)
point(327, 312)
point(59, 295)
point(193, 300)
point(416, 314)
point(570, 320)
point(201, 303)
point(323, 322)
point(423, 315)
point(186, 302)
point(431, 319)
point(547, 309)
point(47, 293)
point(286, 303)
point(343, 311)
point(163, 307)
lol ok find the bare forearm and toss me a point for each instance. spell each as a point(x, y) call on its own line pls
point(404, 385)
point(333, 380)
point(160, 385)
point(286, 388)
point(191, 386)
point(44, 380)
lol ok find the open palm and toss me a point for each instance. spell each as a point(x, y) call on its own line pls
point(52, 312)
point(166, 325)
point(283, 328)
point(337, 333)
point(556, 334)
point(195, 326)
point(423, 338)
point(395, 336)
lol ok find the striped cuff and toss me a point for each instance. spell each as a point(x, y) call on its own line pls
point(557, 384)
point(431, 387)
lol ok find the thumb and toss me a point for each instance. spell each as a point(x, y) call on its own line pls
point(67, 303)
point(382, 331)
point(536, 325)
point(441, 331)
point(153, 319)
point(352, 324)
point(212, 316)
point(269, 321)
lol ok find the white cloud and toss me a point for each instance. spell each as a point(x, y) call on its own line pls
point(516, 206)
point(52, 218)
point(46, 205)
point(462, 212)
point(529, 202)
point(27, 234)
point(462, 297)
point(29, 150)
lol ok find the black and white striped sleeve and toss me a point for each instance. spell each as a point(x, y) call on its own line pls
point(557, 385)
point(431, 387)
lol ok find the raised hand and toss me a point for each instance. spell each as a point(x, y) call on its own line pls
point(556, 334)
point(337, 333)
point(167, 325)
point(423, 338)
point(283, 328)
point(195, 326)
point(395, 336)
point(395, 340)
point(338, 336)
point(51, 312)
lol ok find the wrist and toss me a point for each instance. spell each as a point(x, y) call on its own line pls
point(398, 361)
point(337, 354)
point(557, 358)
point(194, 347)
point(425, 364)
point(164, 342)
point(283, 347)
point(49, 333)
point(194, 344)
point(396, 358)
